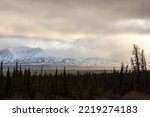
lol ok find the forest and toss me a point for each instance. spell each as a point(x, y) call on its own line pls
point(21, 84)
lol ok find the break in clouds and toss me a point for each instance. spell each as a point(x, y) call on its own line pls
point(99, 28)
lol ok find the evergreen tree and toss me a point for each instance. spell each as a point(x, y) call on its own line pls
point(121, 78)
point(1, 70)
point(136, 58)
point(8, 84)
point(1, 81)
point(143, 62)
point(64, 72)
point(41, 70)
point(56, 73)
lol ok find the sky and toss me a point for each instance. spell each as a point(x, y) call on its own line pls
point(86, 28)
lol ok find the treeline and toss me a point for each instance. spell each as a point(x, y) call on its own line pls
point(22, 84)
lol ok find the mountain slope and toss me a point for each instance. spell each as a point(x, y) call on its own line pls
point(36, 56)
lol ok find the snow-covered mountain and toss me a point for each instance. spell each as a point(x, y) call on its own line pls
point(6, 55)
point(38, 56)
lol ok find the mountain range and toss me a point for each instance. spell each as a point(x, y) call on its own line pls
point(38, 56)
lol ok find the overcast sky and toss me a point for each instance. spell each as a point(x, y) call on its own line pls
point(97, 28)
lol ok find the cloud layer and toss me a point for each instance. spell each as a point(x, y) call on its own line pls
point(84, 27)
point(57, 18)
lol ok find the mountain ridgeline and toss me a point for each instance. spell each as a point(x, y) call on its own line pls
point(103, 84)
point(38, 56)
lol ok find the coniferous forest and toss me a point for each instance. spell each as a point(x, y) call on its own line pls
point(113, 84)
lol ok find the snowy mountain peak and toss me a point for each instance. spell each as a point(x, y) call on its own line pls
point(36, 56)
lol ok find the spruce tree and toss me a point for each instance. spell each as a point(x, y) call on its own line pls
point(8, 84)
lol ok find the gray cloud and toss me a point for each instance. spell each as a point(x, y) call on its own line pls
point(30, 17)
point(88, 27)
